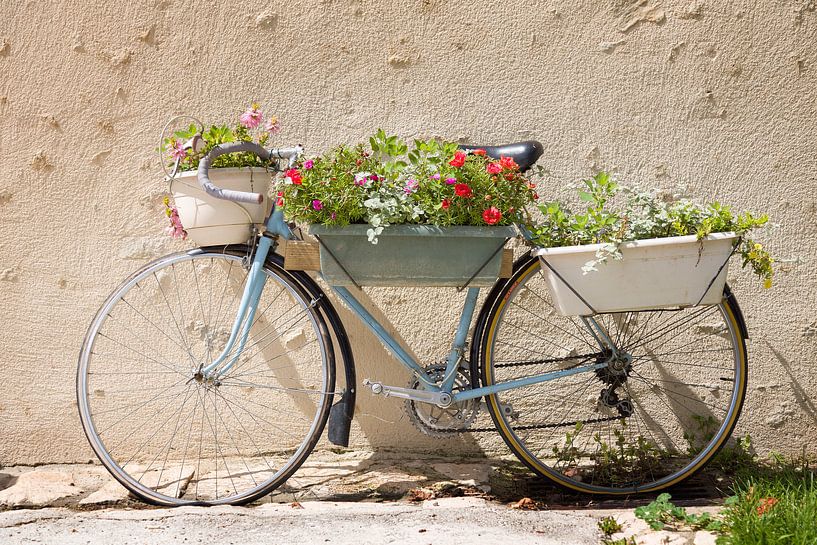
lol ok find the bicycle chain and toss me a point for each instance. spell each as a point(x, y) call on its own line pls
point(584, 358)
point(536, 426)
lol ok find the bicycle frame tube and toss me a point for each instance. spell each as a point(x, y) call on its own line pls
point(276, 226)
point(380, 332)
point(465, 395)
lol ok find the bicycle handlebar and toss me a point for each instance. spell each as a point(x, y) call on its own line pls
point(238, 147)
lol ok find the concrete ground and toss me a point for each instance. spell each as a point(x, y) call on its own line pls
point(350, 497)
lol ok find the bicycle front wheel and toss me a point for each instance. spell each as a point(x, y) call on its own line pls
point(646, 421)
point(173, 436)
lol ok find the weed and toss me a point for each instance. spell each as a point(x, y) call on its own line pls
point(609, 526)
point(663, 513)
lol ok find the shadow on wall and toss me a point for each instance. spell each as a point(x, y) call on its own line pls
point(800, 395)
point(383, 421)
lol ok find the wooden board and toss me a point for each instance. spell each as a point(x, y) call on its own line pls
point(506, 268)
point(301, 255)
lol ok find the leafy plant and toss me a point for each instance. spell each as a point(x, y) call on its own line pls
point(642, 215)
point(612, 464)
point(251, 127)
point(388, 183)
point(609, 526)
point(620, 462)
point(662, 513)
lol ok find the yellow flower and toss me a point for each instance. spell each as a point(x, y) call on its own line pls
point(767, 283)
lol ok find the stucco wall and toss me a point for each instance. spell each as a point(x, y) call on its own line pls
point(717, 96)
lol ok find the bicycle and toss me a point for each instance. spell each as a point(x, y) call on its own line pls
point(208, 376)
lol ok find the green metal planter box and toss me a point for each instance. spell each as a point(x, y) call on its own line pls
point(412, 255)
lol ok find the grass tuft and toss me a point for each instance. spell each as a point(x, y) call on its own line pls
point(775, 504)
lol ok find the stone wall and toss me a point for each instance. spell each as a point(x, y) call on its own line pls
point(718, 97)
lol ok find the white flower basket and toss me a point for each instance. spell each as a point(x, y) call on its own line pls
point(654, 273)
point(214, 222)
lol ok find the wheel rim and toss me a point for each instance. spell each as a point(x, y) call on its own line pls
point(173, 438)
point(685, 386)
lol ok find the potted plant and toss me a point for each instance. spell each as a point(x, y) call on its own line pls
point(206, 220)
point(642, 251)
point(390, 214)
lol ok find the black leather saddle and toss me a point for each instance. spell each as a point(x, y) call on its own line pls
point(524, 153)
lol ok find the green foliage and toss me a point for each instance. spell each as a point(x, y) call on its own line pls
point(772, 504)
point(390, 183)
point(619, 463)
point(621, 541)
point(609, 526)
point(663, 513)
point(213, 136)
point(625, 460)
point(644, 215)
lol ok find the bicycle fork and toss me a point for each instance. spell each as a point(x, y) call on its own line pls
point(253, 289)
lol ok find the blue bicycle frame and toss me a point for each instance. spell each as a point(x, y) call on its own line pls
point(277, 227)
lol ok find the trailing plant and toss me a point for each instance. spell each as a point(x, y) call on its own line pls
point(388, 183)
point(609, 221)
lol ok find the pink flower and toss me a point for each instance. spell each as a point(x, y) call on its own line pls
point(175, 228)
point(317, 205)
point(493, 168)
point(361, 178)
point(333, 215)
point(435, 176)
point(308, 164)
point(271, 126)
point(450, 181)
point(178, 151)
point(411, 187)
point(252, 117)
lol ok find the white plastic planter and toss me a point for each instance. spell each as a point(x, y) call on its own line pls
point(654, 273)
point(213, 222)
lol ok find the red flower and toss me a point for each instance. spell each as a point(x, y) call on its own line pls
point(462, 190)
point(280, 200)
point(293, 175)
point(479, 152)
point(446, 204)
point(493, 168)
point(458, 160)
point(765, 505)
point(491, 215)
point(508, 163)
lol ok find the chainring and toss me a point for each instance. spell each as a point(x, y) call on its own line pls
point(438, 421)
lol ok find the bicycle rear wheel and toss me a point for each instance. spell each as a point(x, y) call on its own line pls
point(173, 437)
point(640, 424)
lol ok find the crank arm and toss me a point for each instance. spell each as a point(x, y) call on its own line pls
point(440, 399)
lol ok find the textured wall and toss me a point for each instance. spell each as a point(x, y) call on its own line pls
point(717, 96)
